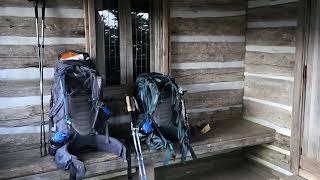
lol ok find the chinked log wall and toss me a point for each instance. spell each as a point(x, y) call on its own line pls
point(210, 48)
point(269, 72)
point(19, 74)
point(207, 56)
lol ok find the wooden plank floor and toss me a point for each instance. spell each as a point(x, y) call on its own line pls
point(226, 135)
point(229, 166)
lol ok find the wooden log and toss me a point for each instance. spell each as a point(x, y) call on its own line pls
point(52, 3)
point(199, 76)
point(54, 27)
point(225, 136)
point(284, 36)
point(278, 91)
point(19, 142)
point(24, 88)
point(274, 115)
point(211, 99)
point(226, 26)
point(46, 164)
point(268, 63)
point(207, 52)
point(273, 13)
point(26, 56)
point(269, 70)
point(271, 156)
point(282, 141)
point(221, 114)
point(217, 4)
point(22, 116)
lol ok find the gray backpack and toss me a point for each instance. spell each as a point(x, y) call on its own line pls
point(78, 119)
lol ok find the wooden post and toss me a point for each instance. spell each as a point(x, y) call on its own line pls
point(159, 39)
point(299, 86)
point(149, 165)
point(166, 40)
point(126, 54)
point(100, 51)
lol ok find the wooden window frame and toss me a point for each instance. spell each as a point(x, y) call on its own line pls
point(159, 39)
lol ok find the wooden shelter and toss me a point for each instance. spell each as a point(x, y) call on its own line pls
point(251, 69)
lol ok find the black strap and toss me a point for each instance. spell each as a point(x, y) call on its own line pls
point(128, 153)
point(72, 171)
point(193, 155)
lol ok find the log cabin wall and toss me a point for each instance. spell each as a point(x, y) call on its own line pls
point(269, 72)
point(207, 56)
point(19, 74)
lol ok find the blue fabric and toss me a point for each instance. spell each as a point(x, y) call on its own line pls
point(60, 137)
point(107, 112)
point(147, 126)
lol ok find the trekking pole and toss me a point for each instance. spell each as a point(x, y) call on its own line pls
point(136, 140)
point(36, 2)
point(41, 56)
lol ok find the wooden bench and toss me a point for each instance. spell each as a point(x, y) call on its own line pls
point(224, 136)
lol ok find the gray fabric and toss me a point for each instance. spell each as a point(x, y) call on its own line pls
point(82, 117)
point(64, 159)
point(82, 114)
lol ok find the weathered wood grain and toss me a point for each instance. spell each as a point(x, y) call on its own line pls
point(269, 70)
point(278, 91)
point(310, 165)
point(211, 99)
point(231, 113)
point(24, 88)
point(207, 52)
point(217, 4)
point(274, 157)
point(268, 63)
point(273, 13)
point(22, 116)
point(225, 136)
point(282, 141)
point(274, 115)
point(284, 36)
point(50, 4)
point(227, 26)
point(303, 11)
point(26, 56)
point(199, 76)
point(54, 27)
point(19, 142)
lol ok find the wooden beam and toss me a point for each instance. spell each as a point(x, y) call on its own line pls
point(299, 86)
point(86, 25)
point(90, 28)
point(159, 49)
point(166, 37)
point(126, 54)
point(100, 40)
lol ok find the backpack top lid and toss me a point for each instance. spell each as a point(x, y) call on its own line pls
point(73, 55)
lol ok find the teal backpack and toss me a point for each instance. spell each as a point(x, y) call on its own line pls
point(163, 120)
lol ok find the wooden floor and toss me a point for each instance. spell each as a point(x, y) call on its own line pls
point(231, 166)
point(225, 136)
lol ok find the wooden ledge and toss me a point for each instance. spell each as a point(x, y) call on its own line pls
point(224, 136)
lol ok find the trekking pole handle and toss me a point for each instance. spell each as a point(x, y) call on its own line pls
point(130, 106)
point(43, 8)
